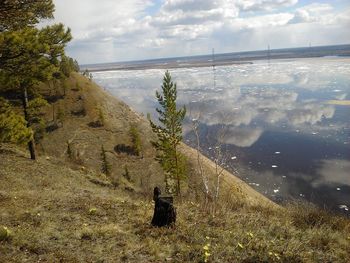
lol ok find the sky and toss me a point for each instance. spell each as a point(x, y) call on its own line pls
point(124, 30)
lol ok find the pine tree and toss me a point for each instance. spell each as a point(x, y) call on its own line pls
point(135, 140)
point(15, 14)
point(169, 135)
point(105, 166)
point(28, 55)
point(13, 128)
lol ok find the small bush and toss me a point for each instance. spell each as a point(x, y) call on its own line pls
point(135, 140)
point(5, 233)
point(126, 173)
point(105, 166)
point(305, 216)
point(122, 148)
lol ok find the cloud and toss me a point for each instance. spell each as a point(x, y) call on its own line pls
point(265, 5)
point(241, 136)
point(312, 13)
point(126, 30)
point(333, 171)
point(310, 114)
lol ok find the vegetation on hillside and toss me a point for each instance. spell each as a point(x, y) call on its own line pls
point(29, 55)
point(80, 209)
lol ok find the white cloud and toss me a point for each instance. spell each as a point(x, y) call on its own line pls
point(242, 137)
point(313, 13)
point(265, 5)
point(310, 113)
point(333, 171)
point(111, 30)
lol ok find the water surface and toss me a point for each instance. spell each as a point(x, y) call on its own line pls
point(278, 128)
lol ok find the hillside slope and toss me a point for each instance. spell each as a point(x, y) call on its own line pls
point(57, 214)
point(82, 106)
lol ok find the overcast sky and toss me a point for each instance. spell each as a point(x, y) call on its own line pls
point(120, 30)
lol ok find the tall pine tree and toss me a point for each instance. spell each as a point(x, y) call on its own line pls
point(13, 128)
point(169, 136)
point(16, 14)
point(28, 55)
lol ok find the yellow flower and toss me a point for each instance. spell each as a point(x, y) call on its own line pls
point(277, 256)
point(5, 233)
point(92, 210)
point(250, 234)
point(207, 237)
point(207, 254)
point(206, 247)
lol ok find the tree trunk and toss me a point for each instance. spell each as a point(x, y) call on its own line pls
point(31, 144)
point(164, 210)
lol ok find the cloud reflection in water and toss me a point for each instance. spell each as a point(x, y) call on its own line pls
point(285, 99)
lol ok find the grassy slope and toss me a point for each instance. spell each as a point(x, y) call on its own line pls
point(59, 211)
point(57, 214)
point(118, 118)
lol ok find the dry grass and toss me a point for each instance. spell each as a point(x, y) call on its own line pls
point(61, 210)
point(56, 214)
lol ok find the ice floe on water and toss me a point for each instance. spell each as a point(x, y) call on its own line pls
point(274, 166)
point(344, 207)
point(277, 152)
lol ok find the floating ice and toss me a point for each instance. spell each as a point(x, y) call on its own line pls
point(314, 133)
point(274, 166)
point(277, 152)
point(345, 207)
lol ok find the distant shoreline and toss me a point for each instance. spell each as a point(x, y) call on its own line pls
point(170, 66)
point(240, 58)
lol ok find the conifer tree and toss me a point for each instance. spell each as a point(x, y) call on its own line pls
point(28, 55)
point(13, 127)
point(16, 14)
point(34, 57)
point(105, 165)
point(135, 140)
point(169, 135)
